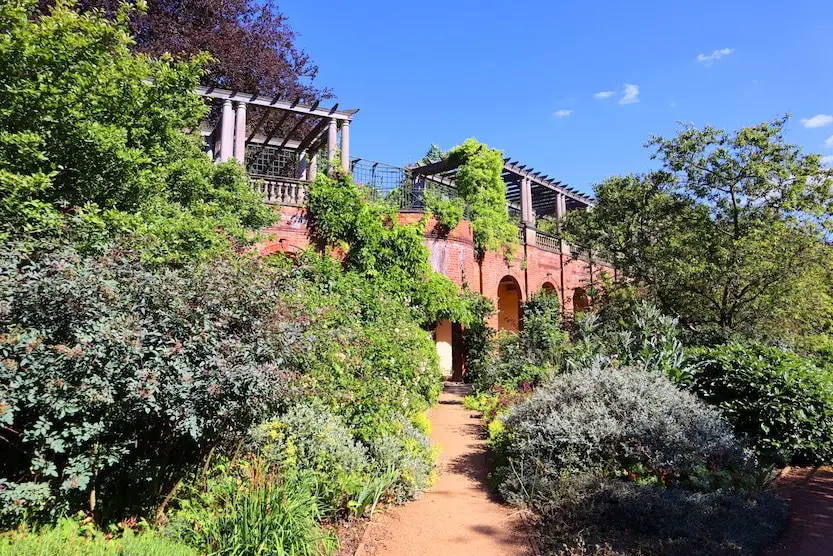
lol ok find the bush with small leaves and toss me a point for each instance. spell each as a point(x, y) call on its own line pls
point(116, 377)
point(616, 423)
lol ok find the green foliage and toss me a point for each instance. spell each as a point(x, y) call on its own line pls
point(621, 519)
point(402, 446)
point(69, 537)
point(447, 212)
point(616, 423)
point(782, 402)
point(381, 249)
point(728, 235)
point(479, 182)
point(645, 339)
point(309, 437)
point(116, 377)
point(513, 360)
point(93, 140)
point(249, 509)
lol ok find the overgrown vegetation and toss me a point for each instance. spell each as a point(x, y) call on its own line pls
point(93, 141)
point(479, 182)
point(239, 404)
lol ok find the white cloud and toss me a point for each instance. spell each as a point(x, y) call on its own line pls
point(819, 120)
point(563, 113)
point(601, 95)
point(829, 142)
point(827, 160)
point(709, 59)
point(631, 94)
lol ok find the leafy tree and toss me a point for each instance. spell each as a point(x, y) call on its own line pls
point(93, 139)
point(729, 234)
point(252, 47)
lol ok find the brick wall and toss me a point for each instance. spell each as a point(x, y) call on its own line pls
point(453, 255)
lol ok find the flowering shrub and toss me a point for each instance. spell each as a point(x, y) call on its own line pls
point(308, 437)
point(403, 447)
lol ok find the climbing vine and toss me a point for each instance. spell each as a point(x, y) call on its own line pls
point(382, 249)
point(479, 182)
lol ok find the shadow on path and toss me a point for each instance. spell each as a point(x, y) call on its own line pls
point(810, 494)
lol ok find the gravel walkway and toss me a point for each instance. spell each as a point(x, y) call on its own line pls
point(457, 515)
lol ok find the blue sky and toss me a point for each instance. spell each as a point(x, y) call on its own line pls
point(521, 76)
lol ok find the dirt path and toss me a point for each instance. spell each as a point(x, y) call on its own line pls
point(810, 493)
point(457, 514)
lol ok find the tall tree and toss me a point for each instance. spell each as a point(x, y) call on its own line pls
point(250, 42)
point(730, 233)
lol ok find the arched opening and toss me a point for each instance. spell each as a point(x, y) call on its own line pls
point(580, 300)
point(509, 304)
point(548, 287)
point(443, 338)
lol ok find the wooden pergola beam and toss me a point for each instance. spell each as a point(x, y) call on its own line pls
point(275, 102)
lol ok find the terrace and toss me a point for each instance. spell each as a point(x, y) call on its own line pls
point(283, 144)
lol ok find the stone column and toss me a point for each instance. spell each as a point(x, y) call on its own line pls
point(226, 131)
point(345, 146)
point(560, 206)
point(240, 133)
point(527, 217)
point(302, 166)
point(332, 132)
point(312, 168)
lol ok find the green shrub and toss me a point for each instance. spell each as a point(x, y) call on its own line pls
point(102, 149)
point(117, 377)
point(643, 338)
point(782, 402)
point(251, 509)
point(615, 423)
point(520, 360)
point(307, 437)
point(448, 212)
point(401, 446)
point(68, 537)
point(646, 520)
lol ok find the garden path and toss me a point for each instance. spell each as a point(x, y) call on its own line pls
point(457, 515)
point(810, 493)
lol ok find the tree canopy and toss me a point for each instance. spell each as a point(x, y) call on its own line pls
point(94, 139)
point(250, 44)
point(731, 232)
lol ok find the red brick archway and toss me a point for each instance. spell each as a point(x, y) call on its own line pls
point(509, 298)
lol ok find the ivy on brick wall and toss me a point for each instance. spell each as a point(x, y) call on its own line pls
point(479, 182)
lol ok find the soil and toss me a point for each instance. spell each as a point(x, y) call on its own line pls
point(457, 515)
point(810, 494)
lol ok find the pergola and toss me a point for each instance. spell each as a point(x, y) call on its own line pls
point(534, 194)
point(300, 128)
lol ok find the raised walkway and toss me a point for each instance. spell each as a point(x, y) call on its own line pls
point(457, 515)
